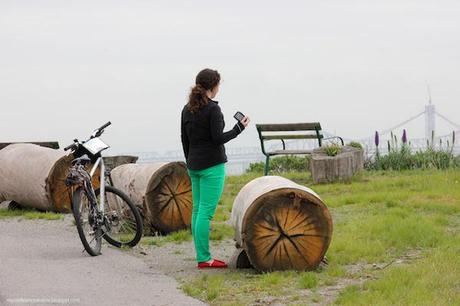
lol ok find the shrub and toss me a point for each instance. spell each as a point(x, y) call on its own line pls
point(404, 159)
point(356, 145)
point(332, 149)
point(283, 164)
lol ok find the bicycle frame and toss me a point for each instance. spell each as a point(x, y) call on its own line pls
point(100, 162)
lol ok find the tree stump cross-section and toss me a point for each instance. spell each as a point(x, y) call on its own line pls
point(281, 225)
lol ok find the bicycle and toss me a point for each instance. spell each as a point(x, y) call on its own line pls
point(105, 212)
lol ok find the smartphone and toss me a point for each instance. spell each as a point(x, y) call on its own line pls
point(238, 116)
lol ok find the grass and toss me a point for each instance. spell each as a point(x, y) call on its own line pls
point(29, 214)
point(219, 231)
point(380, 219)
point(308, 280)
point(431, 281)
point(175, 237)
point(249, 287)
point(207, 287)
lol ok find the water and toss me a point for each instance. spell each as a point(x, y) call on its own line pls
point(239, 159)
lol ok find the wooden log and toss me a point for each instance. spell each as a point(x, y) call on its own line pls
point(11, 205)
point(281, 225)
point(14, 205)
point(46, 144)
point(327, 169)
point(34, 176)
point(162, 191)
point(239, 260)
point(111, 162)
point(358, 160)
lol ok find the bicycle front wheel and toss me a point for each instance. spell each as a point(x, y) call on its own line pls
point(85, 215)
point(122, 219)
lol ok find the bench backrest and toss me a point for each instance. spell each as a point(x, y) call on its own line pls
point(271, 131)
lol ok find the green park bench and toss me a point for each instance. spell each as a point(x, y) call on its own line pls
point(309, 130)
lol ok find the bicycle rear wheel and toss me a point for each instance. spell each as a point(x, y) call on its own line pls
point(85, 217)
point(123, 221)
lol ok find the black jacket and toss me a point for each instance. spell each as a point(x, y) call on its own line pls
point(203, 136)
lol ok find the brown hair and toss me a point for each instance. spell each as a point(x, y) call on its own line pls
point(205, 80)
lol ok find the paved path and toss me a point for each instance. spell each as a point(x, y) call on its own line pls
point(41, 263)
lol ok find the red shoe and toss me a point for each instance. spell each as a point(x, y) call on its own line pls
point(214, 264)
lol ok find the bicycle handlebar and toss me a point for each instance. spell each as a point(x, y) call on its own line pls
point(104, 126)
point(97, 133)
point(69, 147)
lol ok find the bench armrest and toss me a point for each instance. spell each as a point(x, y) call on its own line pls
point(335, 137)
point(263, 145)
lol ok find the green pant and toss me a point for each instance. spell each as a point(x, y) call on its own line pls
point(207, 187)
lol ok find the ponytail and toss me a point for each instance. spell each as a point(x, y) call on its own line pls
point(197, 98)
point(206, 80)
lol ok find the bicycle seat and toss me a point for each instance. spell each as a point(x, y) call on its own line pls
point(82, 160)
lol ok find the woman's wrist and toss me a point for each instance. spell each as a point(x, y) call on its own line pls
point(239, 127)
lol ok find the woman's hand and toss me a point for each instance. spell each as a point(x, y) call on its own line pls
point(245, 121)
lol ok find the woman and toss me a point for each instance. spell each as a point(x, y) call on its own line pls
point(203, 140)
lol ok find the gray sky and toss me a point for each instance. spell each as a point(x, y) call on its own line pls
point(356, 66)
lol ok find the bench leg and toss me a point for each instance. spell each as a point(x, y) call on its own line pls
point(267, 163)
